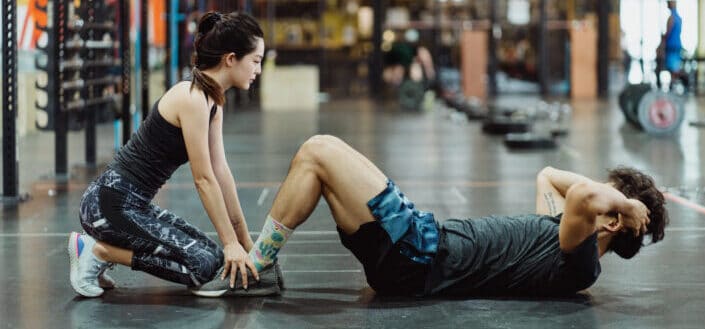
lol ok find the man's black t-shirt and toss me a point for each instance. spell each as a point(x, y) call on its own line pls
point(510, 255)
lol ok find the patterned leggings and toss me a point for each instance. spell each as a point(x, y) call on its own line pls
point(117, 212)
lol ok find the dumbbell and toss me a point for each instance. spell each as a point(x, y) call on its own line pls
point(531, 129)
point(411, 94)
point(471, 107)
point(502, 121)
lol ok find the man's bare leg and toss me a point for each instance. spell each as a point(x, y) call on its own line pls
point(326, 166)
point(323, 166)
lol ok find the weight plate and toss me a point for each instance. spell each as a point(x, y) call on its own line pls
point(501, 126)
point(660, 113)
point(629, 100)
point(529, 141)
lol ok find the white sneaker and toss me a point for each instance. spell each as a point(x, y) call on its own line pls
point(85, 267)
point(105, 281)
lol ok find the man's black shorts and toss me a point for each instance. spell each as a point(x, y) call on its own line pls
point(388, 271)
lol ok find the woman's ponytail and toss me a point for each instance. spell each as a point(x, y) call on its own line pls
point(205, 57)
point(210, 87)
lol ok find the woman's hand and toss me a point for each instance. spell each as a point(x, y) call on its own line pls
point(236, 258)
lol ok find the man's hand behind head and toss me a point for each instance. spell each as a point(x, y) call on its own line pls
point(636, 217)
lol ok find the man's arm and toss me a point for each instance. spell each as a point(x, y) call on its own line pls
point(669, 26)
point(585, 201)
point(551, 188)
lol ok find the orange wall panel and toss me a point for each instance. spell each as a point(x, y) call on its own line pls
point(583, 61)
point(158, 23)
point(473, 52)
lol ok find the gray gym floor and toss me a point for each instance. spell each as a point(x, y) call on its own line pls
point(443, 165)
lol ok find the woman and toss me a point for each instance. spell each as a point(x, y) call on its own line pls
point(123, 227)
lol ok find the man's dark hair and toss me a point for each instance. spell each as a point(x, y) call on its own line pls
point(637, 185)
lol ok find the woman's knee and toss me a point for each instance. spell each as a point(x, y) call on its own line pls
point(206, 265)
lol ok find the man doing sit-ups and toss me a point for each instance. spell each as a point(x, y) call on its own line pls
point(405, 251)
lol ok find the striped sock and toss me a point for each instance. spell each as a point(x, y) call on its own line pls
point(270, 240)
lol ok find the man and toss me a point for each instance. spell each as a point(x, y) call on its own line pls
point(404, 251)
point(669, 51)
